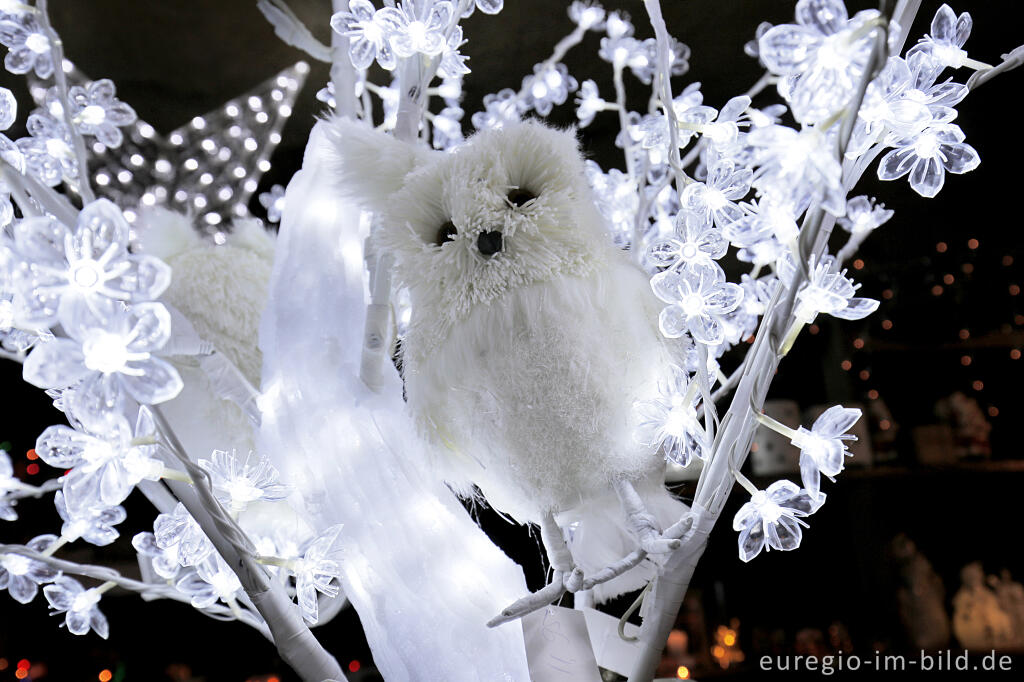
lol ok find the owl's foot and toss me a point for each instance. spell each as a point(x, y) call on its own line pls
point(567, 576)
point(642, 523)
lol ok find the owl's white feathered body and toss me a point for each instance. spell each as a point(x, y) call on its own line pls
point(531, 334)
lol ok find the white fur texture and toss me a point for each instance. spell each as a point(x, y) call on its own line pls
point(523, 367)
point(221, 289)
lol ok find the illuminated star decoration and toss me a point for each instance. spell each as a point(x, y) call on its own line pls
point(209, 167)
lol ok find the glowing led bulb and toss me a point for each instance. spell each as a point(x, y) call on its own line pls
point(104, 351)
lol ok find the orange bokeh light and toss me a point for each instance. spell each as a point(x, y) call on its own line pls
point(105, 675)
point(682, 673)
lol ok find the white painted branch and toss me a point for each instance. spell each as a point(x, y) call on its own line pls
point(144, 589)
point(737, 428)
point(293, 639)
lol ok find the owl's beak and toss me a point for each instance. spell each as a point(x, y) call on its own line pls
point(489, 243)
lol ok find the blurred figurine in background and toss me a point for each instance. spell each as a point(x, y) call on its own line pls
point(978, 621)
point(921, 597)
point(971, 429)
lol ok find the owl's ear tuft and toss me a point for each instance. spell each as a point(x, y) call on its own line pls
point(370, 165)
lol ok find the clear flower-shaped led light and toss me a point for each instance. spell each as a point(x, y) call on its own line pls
point(944, 45)
point(697, 298)
point(823, 57)
point(22, 576)
point(670, 420)
point(238, 482)
point(212, 581)
point(49, 152)
point(643, 60)
point(588, 103)
point(500, 108)
point(106, 464)
point(616, 198)
point(447, 128)
point(416, 26)
point(95, 110)
point(366, 33)
point(315, 572)
point(694, 245)
point(273, 202)
point(109, 358)
point(765, 220)
point(864, 215)
point(453, 62)
point(714, 198)
point(822, 449)
point(927, 157)
point(163, 561)
point(587, 15)
point(95, 526)
point(8, 483)
point(742, 322)
point(28, 44)
point(8, 108)
point(177, 530)
point(549, 85)
point(66, 595)
point(797, 167)
point(831, 293)
point(64, 270)
point(772, 518)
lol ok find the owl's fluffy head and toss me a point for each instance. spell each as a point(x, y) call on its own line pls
point(508, 209)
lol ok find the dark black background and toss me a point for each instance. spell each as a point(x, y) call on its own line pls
point(174, 60)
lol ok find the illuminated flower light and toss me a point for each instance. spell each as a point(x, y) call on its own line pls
point(94, 525)
point(823, 448)
point(96, 111)
point(864, 215)
point(549, 85)
point(447, 128)
point(587, 15)
point(49, 151)
point(927, 157)
point(453, 62)
point(714, 199)
point(65, 273)
point(237, 483)
point(742, 322)
point(772, 518)
point(164, 561)
point(694, 245)
point(21, 576)
point(796, 167)
point(828, 292)
point(697, 299)
point(28, 44)
point(416, 27)
point(106, 464)
point(944, 44)
point(822, 57)
point(212, 581)
point(588, 103)
point(110, 358)
point(764, 220)
point(8, 483)
point(670, 420)
point(315, 572)
point(366, 33)
point(616, 198)
point(178, 531)
point(81, 606)
point(273, 202)
point(500, 108)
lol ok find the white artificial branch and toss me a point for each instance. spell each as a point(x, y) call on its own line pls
point(143, 589)
point(293, 639)
point(735, 436)
point(290, 29)
point(61, 79)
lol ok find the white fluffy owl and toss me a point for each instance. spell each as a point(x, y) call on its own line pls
point(531, 337)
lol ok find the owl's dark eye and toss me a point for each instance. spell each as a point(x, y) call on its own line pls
point(445, 233)
point(520, 197)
